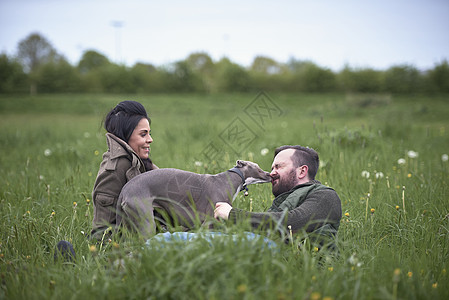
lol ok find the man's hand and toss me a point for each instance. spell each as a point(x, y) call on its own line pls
point(222, 210)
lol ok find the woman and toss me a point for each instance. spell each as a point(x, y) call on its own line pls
point(129, 138)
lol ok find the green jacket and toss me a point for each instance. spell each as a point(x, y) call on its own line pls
point(311, 207)
point(120, 164)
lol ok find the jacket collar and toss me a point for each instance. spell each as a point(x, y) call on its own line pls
point(299, 186)
point(118, 147)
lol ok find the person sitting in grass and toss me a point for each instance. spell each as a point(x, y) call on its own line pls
point(129, 138)
point(301, 204)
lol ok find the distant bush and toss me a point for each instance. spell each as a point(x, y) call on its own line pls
point(198, 73)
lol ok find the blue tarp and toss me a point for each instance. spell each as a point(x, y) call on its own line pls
point(209, 237)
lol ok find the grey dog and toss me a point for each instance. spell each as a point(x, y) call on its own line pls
point(183, 195)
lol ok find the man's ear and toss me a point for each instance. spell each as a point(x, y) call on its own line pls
point(302, 171)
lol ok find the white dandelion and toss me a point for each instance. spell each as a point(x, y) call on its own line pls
point(198, 163)
point(401, 161)
point(365, 174)
point(379, 175)
point(444, 157)
point(47, 152)
point(87, 135)
point(412, 154)
point(264, 151)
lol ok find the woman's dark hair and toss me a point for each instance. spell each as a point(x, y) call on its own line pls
point(123, 118)
point(303, 156)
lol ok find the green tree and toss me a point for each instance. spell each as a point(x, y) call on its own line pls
point(92, 60)
point(364, 80)
point(92, 68)
point(116, 79)
point(231, 77)
point(403, 79)
point(316, 79)
point(12, 77)
point(439, 77)
point(147, 78)
point(181, 78)
point(306, 76)
point(203, 67)
point(58, 77)
point(265, 65)
point(268, 74)
point(33, 52)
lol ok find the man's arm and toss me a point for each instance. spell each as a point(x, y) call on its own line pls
point(320, 207)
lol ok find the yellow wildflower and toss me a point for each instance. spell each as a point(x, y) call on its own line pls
point(93, 248)
point(347, 214)
point(330, 269)
point(96, 152)
point(397, 207)
point(409, 274)
point(396, 274)
point(409, 175)
point(372, 210)
point(435, 285)
point(315, 296)
point(242, 288)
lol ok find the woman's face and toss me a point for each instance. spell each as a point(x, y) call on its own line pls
point(140, 139)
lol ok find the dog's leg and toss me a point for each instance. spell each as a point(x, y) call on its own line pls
point(138, 215)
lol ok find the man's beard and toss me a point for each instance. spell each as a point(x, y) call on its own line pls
point(285, 183)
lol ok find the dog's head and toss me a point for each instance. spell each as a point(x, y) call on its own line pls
point(252, 172)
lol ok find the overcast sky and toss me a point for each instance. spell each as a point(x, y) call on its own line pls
point(331, 33)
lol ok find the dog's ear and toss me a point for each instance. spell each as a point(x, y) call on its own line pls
point(240, 163)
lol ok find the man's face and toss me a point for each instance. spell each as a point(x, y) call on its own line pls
point(283, 173)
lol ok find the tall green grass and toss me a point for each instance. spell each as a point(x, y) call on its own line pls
point(393, 238)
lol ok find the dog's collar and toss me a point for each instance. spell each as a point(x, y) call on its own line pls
point(237, 170)
point(243, 185)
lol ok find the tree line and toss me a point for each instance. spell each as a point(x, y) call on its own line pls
point(39, 67)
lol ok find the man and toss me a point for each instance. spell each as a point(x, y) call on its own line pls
point(301, 203)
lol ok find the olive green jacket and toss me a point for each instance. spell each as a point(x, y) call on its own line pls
point(120, 164)
point(309, 207)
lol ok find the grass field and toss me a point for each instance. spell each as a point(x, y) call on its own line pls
point(386, 156)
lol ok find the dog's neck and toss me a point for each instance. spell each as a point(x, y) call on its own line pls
point(241, 185)
point(237, 171)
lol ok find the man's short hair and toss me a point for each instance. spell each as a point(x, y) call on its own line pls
point(303, 156)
